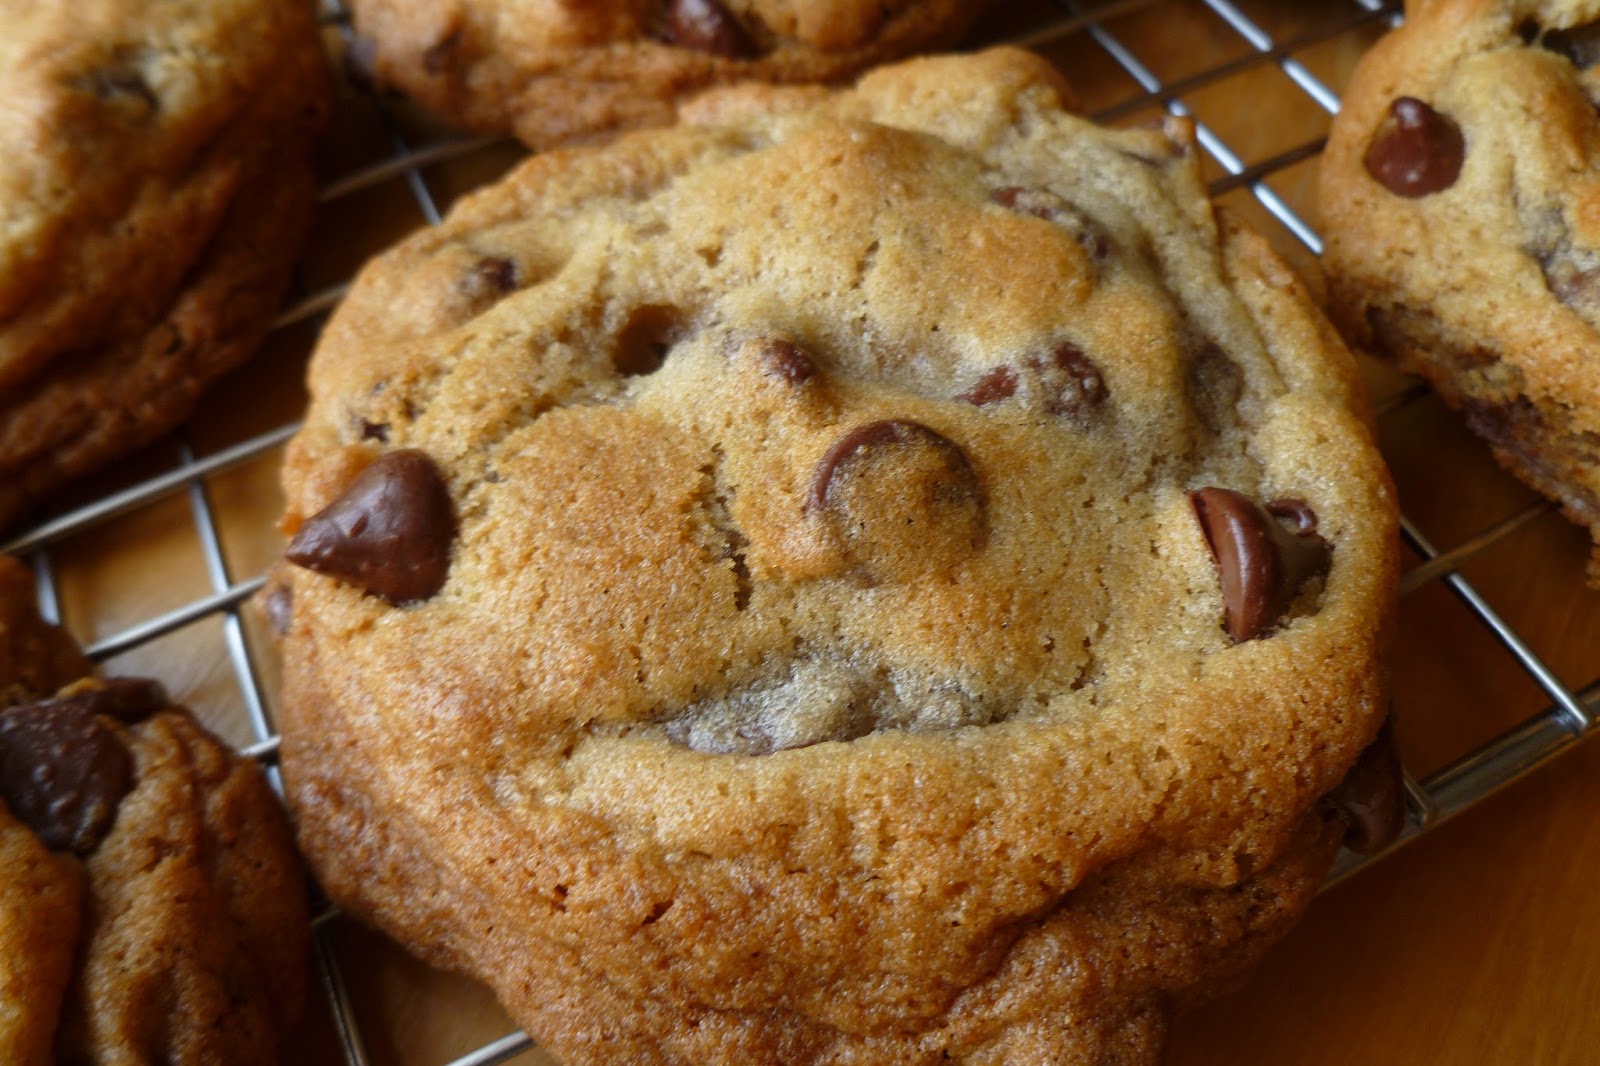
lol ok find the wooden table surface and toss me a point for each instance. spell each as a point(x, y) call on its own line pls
point(1474, 944)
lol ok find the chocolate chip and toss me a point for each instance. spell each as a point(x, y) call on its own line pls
point(62, 772)
point(1262, 564)
point(488, 281)
point(496, 273)
point(1371, 796)
point(1215, 384)
point(1042, 203)
point(998, 384)
point(1069, 380)
point(786, 360)
point(389, 533)
point(900, 499)
point(706, 26)
point(1416, 151)
point(1574, 286)
point(127, 699)
point(1580, 44)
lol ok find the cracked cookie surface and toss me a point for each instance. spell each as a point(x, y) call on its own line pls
point(556, 71)
point(1461, 190)
point(152, 906)
point(155, 185)
point(913, 572)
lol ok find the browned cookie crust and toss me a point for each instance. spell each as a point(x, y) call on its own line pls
point(880, 577)
point(554, 71)
point(155, 187)
point(152, 906)
point(1461, 189)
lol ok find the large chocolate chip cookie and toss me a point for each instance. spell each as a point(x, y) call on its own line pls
point(889, 576)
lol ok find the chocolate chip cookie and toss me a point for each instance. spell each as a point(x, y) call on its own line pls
point(1460, 189)
point(152, 907)
point(155, 186)
point(889, 576)
point(552, 72)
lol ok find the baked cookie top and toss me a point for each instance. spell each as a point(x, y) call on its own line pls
point(140, 146)
point(848, 522)
point(554, 71)
point(152, 906)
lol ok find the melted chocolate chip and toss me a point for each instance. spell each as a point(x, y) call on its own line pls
point(787, 361)
point(996, 385)
point(1262, 565)
point(900, 498)
point(1070, 381)
point(389, 533)
point(1371, 796)
point(62, 772)
point(1416, 151)
point(706, 26)
point(1580, 44)
point(1042, 203)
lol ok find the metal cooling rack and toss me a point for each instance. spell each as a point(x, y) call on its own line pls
point(1469, 779)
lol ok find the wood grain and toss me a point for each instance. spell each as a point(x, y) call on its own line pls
point(1475, 944)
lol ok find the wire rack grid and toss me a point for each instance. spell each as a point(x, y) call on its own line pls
point(1438, 795)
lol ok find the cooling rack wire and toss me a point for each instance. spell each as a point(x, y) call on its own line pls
point(1074, 35)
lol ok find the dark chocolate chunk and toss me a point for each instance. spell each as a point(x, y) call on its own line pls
point(787, 360)
point(1416, 150)
point(1580, 44)
point(1070, 381)
point(1372, 795)
point(62, 772)
point(1262, 564)
point(389, 533)
point(997, 384)
point(706, 26)
point(900, 499)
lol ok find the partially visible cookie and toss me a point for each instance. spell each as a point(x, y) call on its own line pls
point(152, 907)
point(155, 187)
point(883, 576)
point(1461, 192)
point(556, 71)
